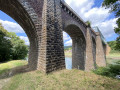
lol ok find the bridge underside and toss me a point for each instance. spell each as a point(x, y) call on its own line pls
point(44, 22)
point(78, 46)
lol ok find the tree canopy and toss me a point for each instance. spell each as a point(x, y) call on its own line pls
point(5, 45)
point(115, 7)
point(11, 46)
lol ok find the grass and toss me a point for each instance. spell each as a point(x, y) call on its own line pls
point(113, 57)
point(4, 67)
point(114, 53)
point(68, 54)
point(59, 80)
point(113, 65)
point(112, 60)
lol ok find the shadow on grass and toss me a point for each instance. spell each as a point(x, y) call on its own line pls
point(7, 73)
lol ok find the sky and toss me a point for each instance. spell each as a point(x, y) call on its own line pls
point(88, 10)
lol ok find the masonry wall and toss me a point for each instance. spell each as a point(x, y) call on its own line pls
point(22, 12)
point(52, 50)
point(44, 22)
point(108, 49)
point(94, 52)
point(100, 55)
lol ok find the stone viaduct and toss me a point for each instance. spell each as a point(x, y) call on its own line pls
point(44, 22)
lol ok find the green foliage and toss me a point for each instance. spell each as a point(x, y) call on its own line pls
point(115, 45)
point(67, 48)
point(19, 49)
point(112, 44)
point(111, 70)
point(11, 46)
point(117, 30)
point(115, 7)
point(5, 45)
point(88, 23)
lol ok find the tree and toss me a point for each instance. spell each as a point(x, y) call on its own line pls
point(11, 46)
point(5, 45)
point(112, 44)
point(115, 7)
point(19, 49)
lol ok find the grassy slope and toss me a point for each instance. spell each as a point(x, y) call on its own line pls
point(114, 54)
point(113, 57)
point(60, 80)
point(11, 64)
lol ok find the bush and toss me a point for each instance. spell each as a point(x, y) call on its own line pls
point(111, 70)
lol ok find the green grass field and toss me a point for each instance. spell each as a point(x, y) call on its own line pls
point(68, 54)
point(4, 67)
point(114, 56)
point(59, 80)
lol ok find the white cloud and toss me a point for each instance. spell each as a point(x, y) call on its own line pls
point(97, 15)
point(107, 27)
point(80, 6)
point(66, 36)
point(25, 39)
point(11, 26)
point(14, 27)
point(67, 39)
point(68, 43)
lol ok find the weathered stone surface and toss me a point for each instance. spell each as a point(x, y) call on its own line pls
point(100, 55)
point(44, 22)
point(89, 63)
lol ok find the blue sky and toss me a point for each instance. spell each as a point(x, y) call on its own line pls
point(87, 9)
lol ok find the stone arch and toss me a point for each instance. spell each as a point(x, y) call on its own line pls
point(25, 16)
point(78, 46)
point(72, 22)
point(94, 51)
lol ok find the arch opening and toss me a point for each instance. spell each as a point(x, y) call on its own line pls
point(67, 50)
point(78, 46)
point(14, 9)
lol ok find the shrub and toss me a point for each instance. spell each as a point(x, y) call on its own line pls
point(110, 71)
